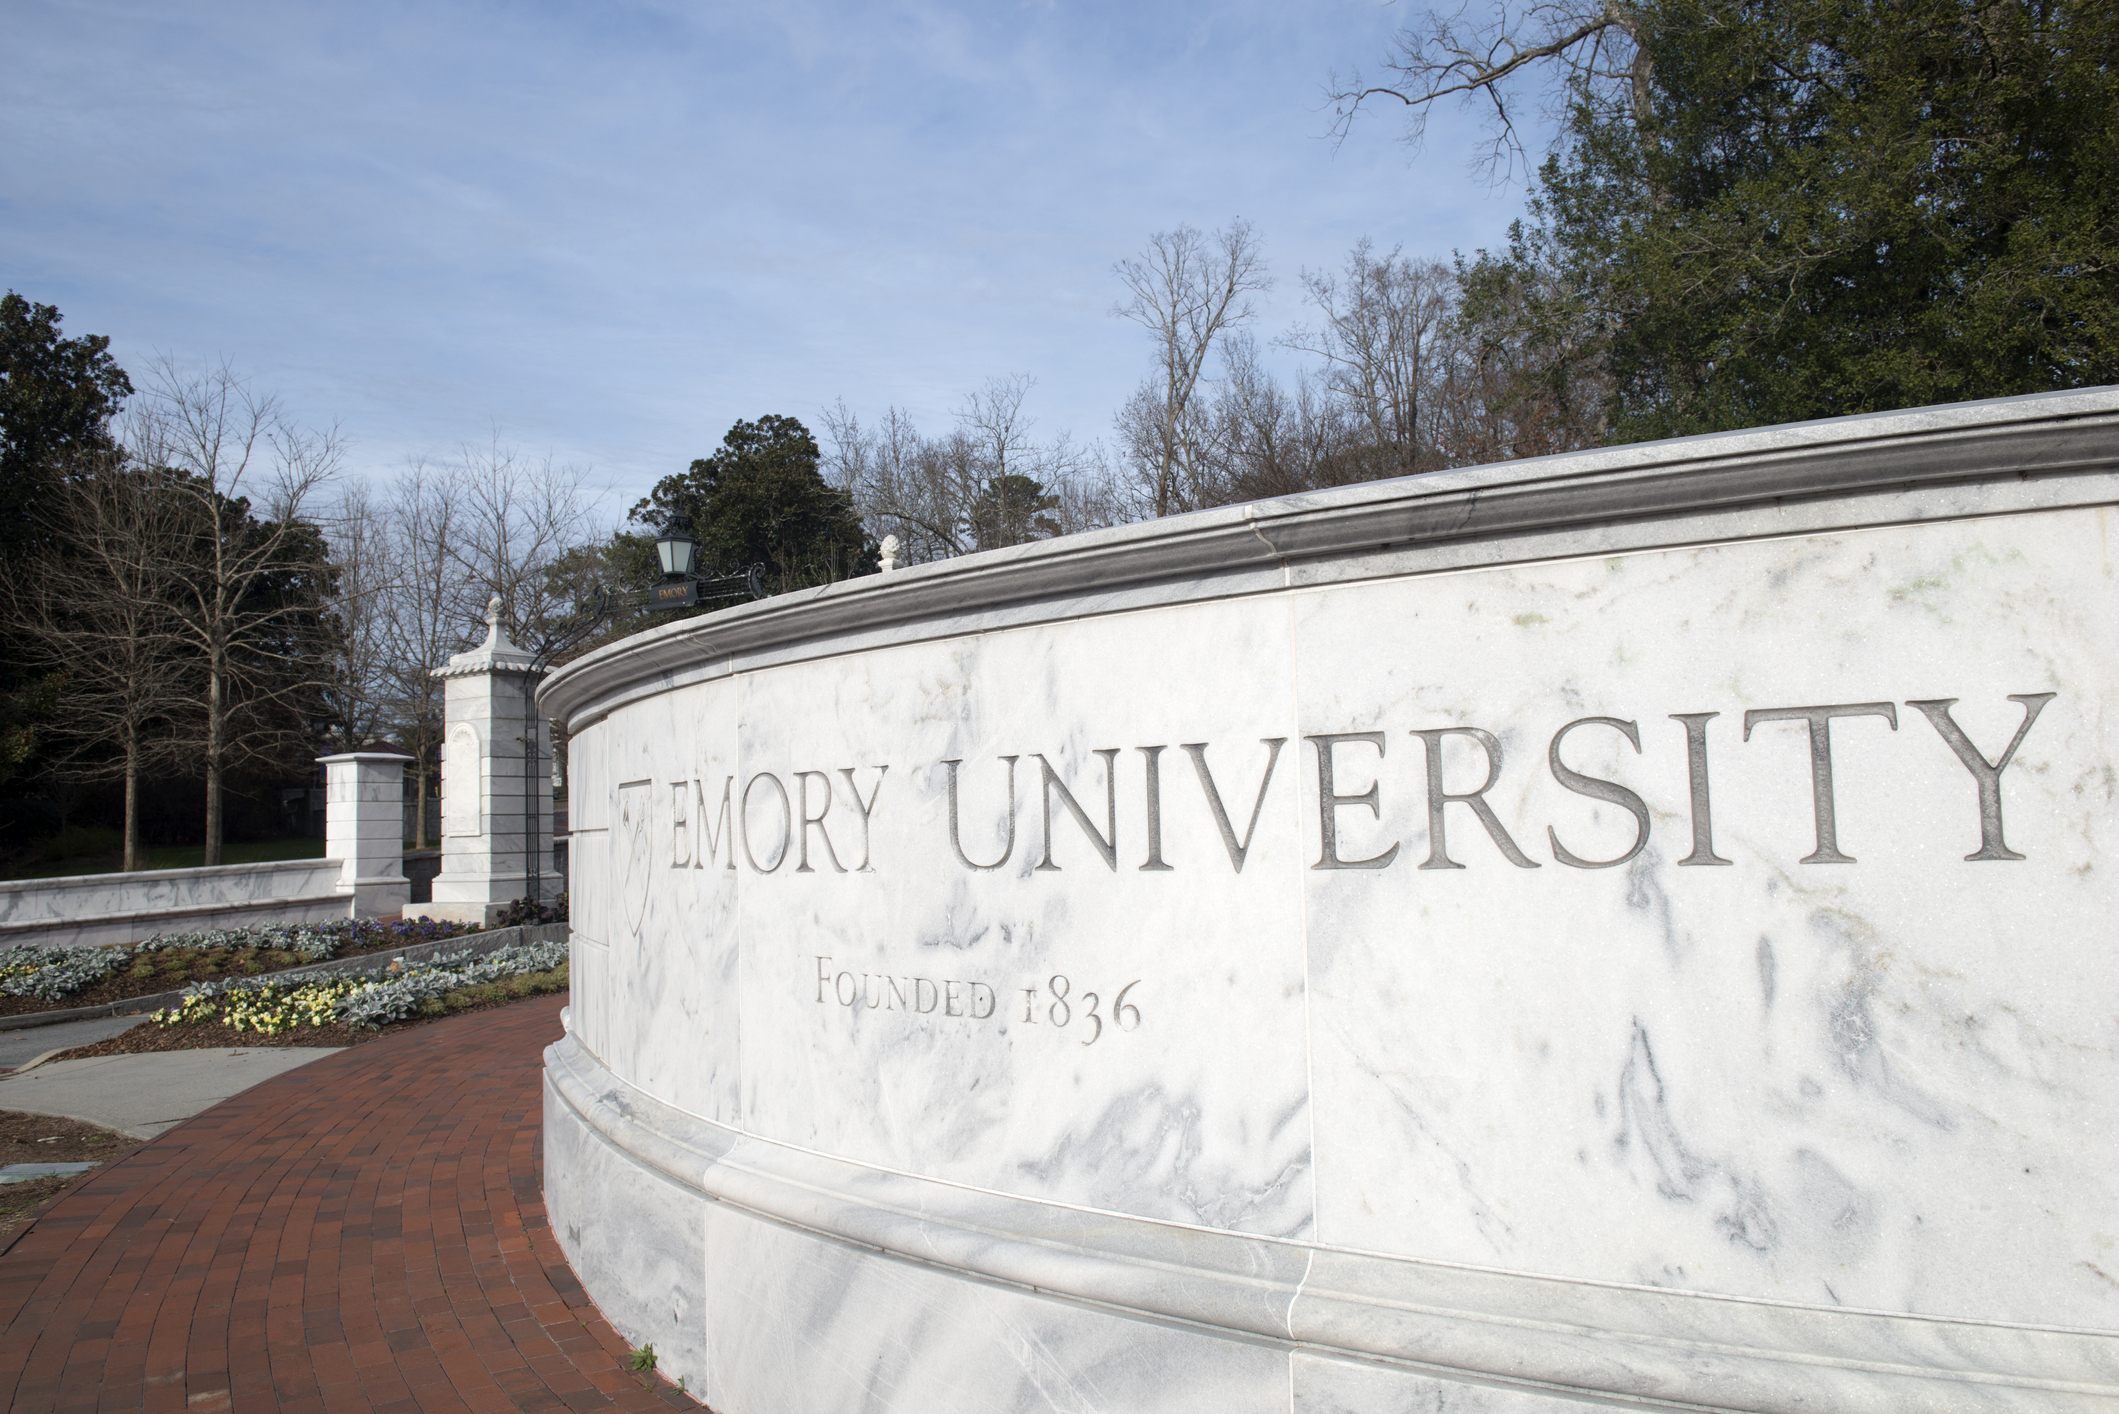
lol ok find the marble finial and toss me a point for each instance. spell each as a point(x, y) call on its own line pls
point(889, 561)
point(495, 639)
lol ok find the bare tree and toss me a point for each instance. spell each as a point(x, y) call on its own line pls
point(900, 484)
point(512, 520)
point(426, 619)
point(1020, 489)
point(1276, 442)
point(1186, 289)
point(251, 574)
point(985, 484)
point(357, 680)
point(1383, 320)
point(95, 610)
point(1175, 464)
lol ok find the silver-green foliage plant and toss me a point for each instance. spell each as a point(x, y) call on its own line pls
point(55, 973)
point(395, 993)
point(395, 998)
point(51, 974)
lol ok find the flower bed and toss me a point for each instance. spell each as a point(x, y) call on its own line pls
point(42, 979)
point(448, 982)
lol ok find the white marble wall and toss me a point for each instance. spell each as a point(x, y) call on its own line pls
point(88, 910)
point(1842, 1130)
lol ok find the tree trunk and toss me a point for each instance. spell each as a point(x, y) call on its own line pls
point(132, 804)
point(419, 816)
point(216, 726)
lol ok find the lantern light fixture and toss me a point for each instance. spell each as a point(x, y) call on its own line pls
point(677, 547)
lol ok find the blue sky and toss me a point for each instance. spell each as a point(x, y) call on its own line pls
point(608, 231)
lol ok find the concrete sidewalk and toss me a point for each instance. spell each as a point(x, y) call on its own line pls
point(19, 1048)
point(145, 1096)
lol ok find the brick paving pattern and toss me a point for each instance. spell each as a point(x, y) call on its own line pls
point(364, 1233)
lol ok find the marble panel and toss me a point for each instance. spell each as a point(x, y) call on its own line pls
point(1477, 1327)
point(462, 782)
point(1023, 1026)
point(1878, 1084)
point(664, 901)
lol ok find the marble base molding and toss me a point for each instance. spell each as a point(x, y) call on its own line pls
point(1502, 1331)
point(1619, 929)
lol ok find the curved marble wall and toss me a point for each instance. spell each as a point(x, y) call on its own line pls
point(1632, 927)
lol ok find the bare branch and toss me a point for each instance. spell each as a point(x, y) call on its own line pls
point(1452, 57)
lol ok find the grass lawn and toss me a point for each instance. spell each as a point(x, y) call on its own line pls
point(179, 856)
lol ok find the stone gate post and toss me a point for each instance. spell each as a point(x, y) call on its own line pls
point(483, 866)
point(364, 811)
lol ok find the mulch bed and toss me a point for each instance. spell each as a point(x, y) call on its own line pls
point(48, 1139)
point(149, 1037)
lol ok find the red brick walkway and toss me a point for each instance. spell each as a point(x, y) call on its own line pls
point(364, 1233)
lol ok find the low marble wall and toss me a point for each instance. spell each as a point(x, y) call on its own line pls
point(92, 909)
point(1626, 928)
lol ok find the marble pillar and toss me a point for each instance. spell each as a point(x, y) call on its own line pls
point(364, 811)
point(486, 822)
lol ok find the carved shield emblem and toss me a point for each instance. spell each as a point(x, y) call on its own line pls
point(630, 819)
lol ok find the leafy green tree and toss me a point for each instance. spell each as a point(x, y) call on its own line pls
point(1768, 210)
point(760, 499)
point(625, 566)
point(1529, 373)
point(57, 397)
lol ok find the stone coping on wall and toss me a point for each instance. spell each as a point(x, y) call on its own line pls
point(151, 876)
point(1952, 461)
point(367, 964)
point(1677, 1349)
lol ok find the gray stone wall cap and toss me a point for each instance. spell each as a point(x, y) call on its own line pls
point(148, 876)
point(2042, 434)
